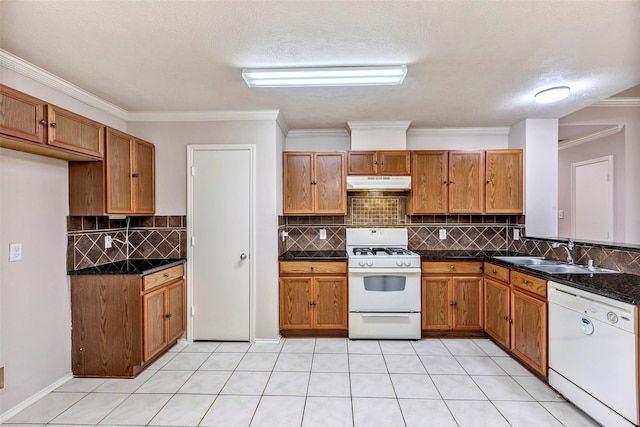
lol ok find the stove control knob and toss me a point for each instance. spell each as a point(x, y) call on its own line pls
point(407, 263)
point(399, 263)
point(361, 263)
point(370, 263)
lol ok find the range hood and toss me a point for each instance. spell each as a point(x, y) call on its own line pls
point(378, 183)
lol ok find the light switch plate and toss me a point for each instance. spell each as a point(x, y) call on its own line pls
point(15, 252)
point(442, 234)
point(323, 234)
point(516, 234)
point(108, 242)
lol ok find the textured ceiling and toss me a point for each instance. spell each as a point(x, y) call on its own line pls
point(470, 63)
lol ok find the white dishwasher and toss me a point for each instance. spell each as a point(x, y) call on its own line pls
point(593, 354)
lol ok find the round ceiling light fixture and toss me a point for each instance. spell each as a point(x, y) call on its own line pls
point(553, 94)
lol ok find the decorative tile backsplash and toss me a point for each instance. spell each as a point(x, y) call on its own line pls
point(149, 237)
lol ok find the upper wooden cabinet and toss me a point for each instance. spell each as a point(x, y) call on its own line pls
point(314, 183)
point(29, 124)
point(124, 183)
point(503, 181)
point(379, 163)
point(466, 182)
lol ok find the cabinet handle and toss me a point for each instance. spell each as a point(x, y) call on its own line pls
point(168, 315)
point(53, 124)
point(135, 175)
point(43, 122)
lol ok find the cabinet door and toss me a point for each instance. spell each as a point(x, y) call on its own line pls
point(529, 330)
point(175, 312)
point(119, 185)
point(296, 185)
point(73, 132)
point(362, 162)
point(329, 190)
point(429, 183)
point(467, 308)
point(436, 299)
point(503, 181)
point(330, 308)
point(295, 303)
point(153, 315)
point(144, 182)
point(496, 311)
point(466, 186)
point(22, 116)
point(394, 163)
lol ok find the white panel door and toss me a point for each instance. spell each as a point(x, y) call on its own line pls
point(221, 220)
point(592, 204)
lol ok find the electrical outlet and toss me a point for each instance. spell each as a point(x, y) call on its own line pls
point(560, 214)
point(15, 252)
point(442, 234)
point(516, 234)
point(323, 234)
point(108, 242)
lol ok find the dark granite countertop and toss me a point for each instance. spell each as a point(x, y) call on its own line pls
point(313, 255)
point(130, 266)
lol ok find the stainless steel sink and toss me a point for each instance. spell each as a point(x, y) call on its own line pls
point(570, 269)
point(528, 260)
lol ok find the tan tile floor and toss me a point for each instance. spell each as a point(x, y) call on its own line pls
point(328, 382)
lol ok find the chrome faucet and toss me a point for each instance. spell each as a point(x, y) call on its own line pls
point(567, 247)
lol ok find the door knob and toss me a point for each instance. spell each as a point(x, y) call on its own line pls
point(243, 256)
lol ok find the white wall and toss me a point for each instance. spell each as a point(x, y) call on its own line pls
point(457, 139)
point(171, 140)
point(613, 145)
point(630, 118)
point(35, 316)
point(540, 140)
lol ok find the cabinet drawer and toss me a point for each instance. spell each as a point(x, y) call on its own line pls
point(459, 267)
point(162, 277)
point(496, 272)
point(529, 283)
point(315, 267)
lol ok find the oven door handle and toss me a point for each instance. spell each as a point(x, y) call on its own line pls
point(384, 314)
point(388, 271)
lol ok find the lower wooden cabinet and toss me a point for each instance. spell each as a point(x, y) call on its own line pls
point(452, 301)
point(313, 297)
point(120, 322)
point(516, 314)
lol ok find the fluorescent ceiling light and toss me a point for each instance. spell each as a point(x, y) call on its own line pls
point(553, 94)
point(331, 76)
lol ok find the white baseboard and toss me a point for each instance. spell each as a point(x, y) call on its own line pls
point(31, 400)
point(270, 341)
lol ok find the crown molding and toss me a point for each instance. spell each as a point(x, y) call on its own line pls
point(590, 137)
point(20, 66)
point(502, 130)
point(379, 125)
point(617, 102)
point(317, 133)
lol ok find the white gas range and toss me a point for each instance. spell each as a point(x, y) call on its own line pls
point(384, 284)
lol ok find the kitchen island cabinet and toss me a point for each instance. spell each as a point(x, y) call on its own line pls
point(452, 296)
point(313, 298)
point(123, 183)
point(31, 125)
point(122, 322)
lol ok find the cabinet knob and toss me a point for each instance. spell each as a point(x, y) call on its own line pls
point(494, 272)
point(375, 163)
point(135, 175)
point(453, 303)
point(506, 318)
point(168, 315)
point(453, 267)
point(488, 181)
point(43, 122)
point(451, 182)
point(382, 163)
point(312, 267)
point(525, 281)
point(510, 321)
point(53, 124)
point(312, 303)
point(166, 275)
point(444, 182)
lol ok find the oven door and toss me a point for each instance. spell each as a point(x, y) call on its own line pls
point(388, 290)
